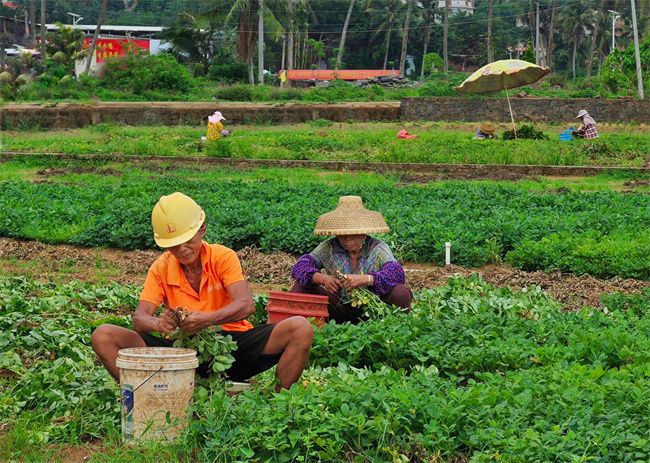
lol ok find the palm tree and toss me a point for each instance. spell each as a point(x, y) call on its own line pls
point(292, 15)
point(445, 35)
point(594, 36)
point(574, 21)
point(43, 28)
point(194, 41)
point(339, 55)
point(247, 12)
point(32, 19)
point(388, 11)
point(405, 37)
point(551, 32)
point(429, 8)
point(68, 41)
point(490, 51)
point(100, 20)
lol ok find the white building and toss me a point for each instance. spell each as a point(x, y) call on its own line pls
point(459, 6)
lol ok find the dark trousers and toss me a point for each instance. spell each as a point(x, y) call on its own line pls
point(399, 296)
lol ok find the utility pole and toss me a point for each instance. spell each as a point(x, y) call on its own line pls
point(43, 29)
point(537, 33)
point(260, 44)
point(615, 16)
point(637, 56)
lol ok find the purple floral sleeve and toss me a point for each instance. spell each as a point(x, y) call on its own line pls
point(390, 275)
point(304, 270)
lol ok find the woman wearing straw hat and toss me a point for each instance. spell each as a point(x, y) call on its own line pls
point(588, 127)
point(485, 130)
point(363, 260)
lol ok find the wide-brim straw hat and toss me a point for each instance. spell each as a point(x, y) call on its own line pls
point(350, 218)
point(487, 127)
point(582, 113)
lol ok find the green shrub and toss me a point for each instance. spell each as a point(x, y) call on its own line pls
point(140, 73)
point(220, 148)
point(592, 253)
point(433, 63)
point(284, 94)
point(229, 73)
point(238, 92)
point(618, 73)
point(525, 132)
point(556, 79)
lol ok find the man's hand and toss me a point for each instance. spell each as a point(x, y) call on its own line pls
point(195, 322)
point(333, 285)
point(356, 281)
point(166, 322)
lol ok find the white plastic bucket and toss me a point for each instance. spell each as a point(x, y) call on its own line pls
point(157, 384)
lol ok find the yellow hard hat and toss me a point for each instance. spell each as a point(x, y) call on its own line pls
point(175, 218)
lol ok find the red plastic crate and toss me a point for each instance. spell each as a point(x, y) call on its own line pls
point(283, 305)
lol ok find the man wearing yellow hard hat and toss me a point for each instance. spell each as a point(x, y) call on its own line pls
point(207, 281)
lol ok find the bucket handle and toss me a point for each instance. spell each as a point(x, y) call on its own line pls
point(152, 375)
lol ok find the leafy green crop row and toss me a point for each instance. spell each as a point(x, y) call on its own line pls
point(474, 372)
point(467, 327)
point(324, 140)
point(601, 233)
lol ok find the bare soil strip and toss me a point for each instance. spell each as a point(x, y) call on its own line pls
point(435, 171)
point(273, 271)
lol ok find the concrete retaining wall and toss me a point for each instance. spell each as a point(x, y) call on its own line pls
point(524, 109)
point(67, 116)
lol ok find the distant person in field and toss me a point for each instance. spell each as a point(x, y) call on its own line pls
point(485, 131)
point(205, 280)
point(216, 129)
point(349, 260)
point(588, 127)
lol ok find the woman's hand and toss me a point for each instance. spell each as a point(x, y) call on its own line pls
point(330, 283)
point(195, 322)
point(166, 322)
point(356, 281)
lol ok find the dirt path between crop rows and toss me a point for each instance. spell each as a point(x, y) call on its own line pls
point(272, 271)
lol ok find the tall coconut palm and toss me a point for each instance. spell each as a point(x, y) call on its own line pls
point(32, 19)
point(43, 28)
point(405, 36)
point(339, 55)
point(551, 33)
point(574, 21)
point(490, 50)
point(291, 16)
point(594, 36)
point(389, 12)
point(194, 41)
point(247, 13)
point(429, 8)
point(100, 20)
point(445, 35)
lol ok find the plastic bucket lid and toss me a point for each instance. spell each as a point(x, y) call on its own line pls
point(157, 358)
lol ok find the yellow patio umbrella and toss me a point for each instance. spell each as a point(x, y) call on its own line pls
point(502, 75)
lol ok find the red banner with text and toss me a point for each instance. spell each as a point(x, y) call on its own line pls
point(107, 48)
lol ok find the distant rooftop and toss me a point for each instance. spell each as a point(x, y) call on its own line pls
point(107, 28)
